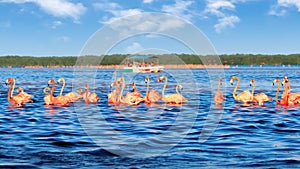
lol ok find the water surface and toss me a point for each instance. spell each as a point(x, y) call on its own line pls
point(39, 136)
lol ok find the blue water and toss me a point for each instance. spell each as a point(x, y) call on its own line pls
point(79, 135)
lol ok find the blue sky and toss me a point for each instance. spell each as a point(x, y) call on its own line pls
point(62, 27)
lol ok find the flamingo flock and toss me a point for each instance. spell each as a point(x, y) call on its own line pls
point(115, 97)
point(287, 98)
point(151, 96)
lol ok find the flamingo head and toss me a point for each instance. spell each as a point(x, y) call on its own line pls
point(9, 80)
point(180, 87)
point(276, 81)
point(51, 81)
point(162, 78)
point(60, 79)
point(220, 81)
point(231, 81)
point(133, 87)
point(285, 80)
point(146, 79)
point(86, 86)
point(252, 81)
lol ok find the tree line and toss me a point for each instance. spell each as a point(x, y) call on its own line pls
point(116, 59)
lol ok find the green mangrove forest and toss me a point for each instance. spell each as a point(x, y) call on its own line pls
point(116, 59)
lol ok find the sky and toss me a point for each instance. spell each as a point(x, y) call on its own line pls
point(63, 27)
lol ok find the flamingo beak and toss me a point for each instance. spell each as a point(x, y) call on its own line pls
point(273, 83)
point(231, 82)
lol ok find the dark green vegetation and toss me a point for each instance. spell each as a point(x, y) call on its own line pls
point(237, 59)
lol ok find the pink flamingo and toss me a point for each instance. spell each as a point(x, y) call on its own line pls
point(131, 98)
point(172, 98)
point(284, 99)
point(73, 96)
point(219, 98)
point(292, 97)
point(245, 96)
point(59, 100)
point(90, 97)
point(113, 96)
point(14, 100)
point(23, 94)
point(152, 96)
point(261, 97)
point(48, 98)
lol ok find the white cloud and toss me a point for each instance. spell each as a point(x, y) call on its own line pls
point(224, 22)
point(116, 10)
point(57, 8)
point(180, 9)
point(279, 10)
point(147, 1)
point(289, 3)
point(222, 9)
point(56, 24)
point(134, 48)
point(147, 22)
point(216, 7)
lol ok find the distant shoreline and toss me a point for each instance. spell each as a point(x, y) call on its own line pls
point(187, 66)
point(110, 61)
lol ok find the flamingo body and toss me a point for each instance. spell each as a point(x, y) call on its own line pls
point(152, 96)
point(261, 97)
point(17, 100)
point(172, 98)
point(90, 97)
point(244, 96)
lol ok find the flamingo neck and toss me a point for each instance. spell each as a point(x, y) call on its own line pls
point(52, 91)
point(121, 94)
point(134, 88)
point(177, 89)
point(277, 92)
point(45, 91)
point(236, 86)
point(10, 91)
point(147, 89)
point(253, 88)
point(287, 88)
point(13, 87)
point(219, 86)
point(165, 85)
point(63, 87)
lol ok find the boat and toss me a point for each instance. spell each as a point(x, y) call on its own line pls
point(142, 64)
